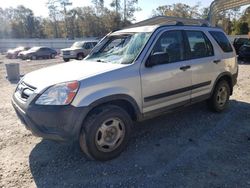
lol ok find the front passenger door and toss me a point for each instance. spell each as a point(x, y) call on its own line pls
point(167, 84)
point(87, 48)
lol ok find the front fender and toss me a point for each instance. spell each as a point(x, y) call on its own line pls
point(109, 93)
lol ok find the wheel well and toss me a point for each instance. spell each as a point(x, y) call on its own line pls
point(124, 104)
point(80, 53)
point(229, 81)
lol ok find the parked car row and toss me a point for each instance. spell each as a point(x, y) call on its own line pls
point(78, 51)
point(13, 53)
point(31, 53)
point(38, 52)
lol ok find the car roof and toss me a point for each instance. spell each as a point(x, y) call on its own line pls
point(151, 24)
point(84, 41)
point(152, 28)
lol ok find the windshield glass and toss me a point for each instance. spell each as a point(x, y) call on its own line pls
point(33, 49)
point(122, 49)
point(77, 44)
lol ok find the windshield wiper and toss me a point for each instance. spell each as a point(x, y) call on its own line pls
point(100, 60)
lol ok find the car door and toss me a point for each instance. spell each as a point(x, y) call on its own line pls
point(42, 52)
point(201, 59)
point(168, 84)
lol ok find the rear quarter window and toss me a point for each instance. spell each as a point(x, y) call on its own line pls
point(222, 40)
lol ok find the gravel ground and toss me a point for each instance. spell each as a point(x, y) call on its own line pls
point(191, 148)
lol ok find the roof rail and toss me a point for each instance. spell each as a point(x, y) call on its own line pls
point(168, 20)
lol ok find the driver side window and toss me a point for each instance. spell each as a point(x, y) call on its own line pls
point(87, 46)
point(170, 42)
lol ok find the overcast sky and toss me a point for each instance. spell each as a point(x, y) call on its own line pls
point(40, 9)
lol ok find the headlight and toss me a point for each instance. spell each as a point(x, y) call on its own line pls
point(60, 94)
point(72, 53)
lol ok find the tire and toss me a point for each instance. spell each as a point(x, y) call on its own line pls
point(80, 56)
point(105, 133)
point(52, 56)
point(33, 57)
point(220, 97)
point(65, 59)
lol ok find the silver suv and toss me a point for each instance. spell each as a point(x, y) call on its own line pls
point(131, 75)
point(78, 50)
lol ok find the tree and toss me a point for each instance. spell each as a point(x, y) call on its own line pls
point(99, 6)
point(242, 28)
point(127, 8)
point(54, 14)
point(178, 10)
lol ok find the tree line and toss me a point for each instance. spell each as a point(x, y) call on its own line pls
point(98, 20)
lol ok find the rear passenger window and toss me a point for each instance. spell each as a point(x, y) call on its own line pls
point(199, 44)
point(222, 40)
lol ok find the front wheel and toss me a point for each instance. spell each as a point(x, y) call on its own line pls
point(105, 133)
point(33, 57)
point(65, 59)
point(220, 97)
point(80, 56)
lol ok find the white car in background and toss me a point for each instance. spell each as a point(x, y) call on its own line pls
point(78, 50)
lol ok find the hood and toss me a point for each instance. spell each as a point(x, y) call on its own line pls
point(71, 48)
point(11, 51)
point(25, 52)
point(76, 70)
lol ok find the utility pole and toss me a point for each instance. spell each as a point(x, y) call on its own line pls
point(66, 3)
point(116, 7)
point(125, 10)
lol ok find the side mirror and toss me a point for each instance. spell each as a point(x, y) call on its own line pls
point(157, 58)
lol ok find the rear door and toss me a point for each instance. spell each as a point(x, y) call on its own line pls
point(201, 58)
point(168, 84)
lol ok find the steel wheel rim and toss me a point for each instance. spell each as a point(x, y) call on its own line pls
point(222, 96)
point(80, 57)
point(110, 135)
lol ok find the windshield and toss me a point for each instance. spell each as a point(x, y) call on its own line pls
point(77, 45)
point(33, 49)
point(122, 49)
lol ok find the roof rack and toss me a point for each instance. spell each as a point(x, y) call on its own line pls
point(168, 20)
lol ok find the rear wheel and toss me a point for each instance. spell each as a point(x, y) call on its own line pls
point(65, 59)
point(52, 56)
point(105, 133)
point(220, 97)
point(80, 56)
point(33, 57)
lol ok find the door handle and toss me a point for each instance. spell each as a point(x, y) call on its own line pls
point(217, 61)
point(184, 68)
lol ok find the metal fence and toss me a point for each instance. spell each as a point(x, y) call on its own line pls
point(6, 44)
point(57, 44)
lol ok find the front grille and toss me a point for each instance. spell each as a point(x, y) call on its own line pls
point(66, 52)
point(24, 91)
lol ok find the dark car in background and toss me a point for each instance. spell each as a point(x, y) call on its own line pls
point(238, 42)
point(38, 52)
point(13, 53)
point(244, 51)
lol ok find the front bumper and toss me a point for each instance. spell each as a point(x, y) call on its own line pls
point(60, 123)
point(69, 56)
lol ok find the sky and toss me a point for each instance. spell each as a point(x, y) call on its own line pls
point(39, 6)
